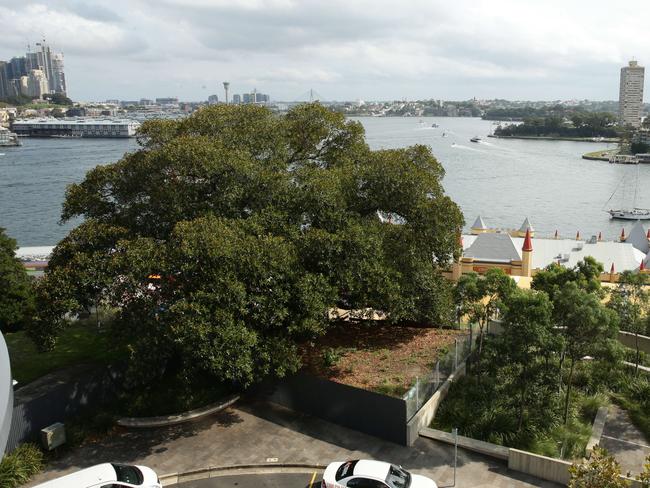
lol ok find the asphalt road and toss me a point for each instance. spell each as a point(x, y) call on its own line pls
point(275, 480)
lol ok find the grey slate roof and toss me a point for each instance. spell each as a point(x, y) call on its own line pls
point(493, 247)
point(638, 237)
point(479, 224)
point(526, 225)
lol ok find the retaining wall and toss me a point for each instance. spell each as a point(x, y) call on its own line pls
point(628, 339)
point(597, 430)
point(542, 467)
point(56, 397)
point(365, 411)
point(427, 412)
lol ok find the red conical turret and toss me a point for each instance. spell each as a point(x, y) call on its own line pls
point(600, 236)
point(578, 236)
point(622, 234)
point(528, 242)
point(556, 233)
point(612, 270)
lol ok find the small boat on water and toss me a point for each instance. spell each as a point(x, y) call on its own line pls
point(475, 139)
point(633, 212)
point(623, 159)
point(435, 126)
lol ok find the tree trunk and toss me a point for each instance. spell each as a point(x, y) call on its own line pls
point(522, 399)
point(568, 393)
point(559, 374)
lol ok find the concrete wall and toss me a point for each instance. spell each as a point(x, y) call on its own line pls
point(492, 450)
point(427, 412)
point(56, 397)
point(365, 411)
point(542, 467)
point(597, 430)
point(628, 339)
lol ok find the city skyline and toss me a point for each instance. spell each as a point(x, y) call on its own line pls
point(343, 50)
point(37, 72)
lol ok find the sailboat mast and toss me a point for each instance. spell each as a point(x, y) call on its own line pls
point(636, 187)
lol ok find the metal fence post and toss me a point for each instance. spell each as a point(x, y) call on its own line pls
point(455, 432)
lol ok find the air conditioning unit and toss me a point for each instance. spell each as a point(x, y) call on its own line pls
point(53, 436)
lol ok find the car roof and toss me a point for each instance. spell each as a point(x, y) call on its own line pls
point(372, 469)
point(94, 475)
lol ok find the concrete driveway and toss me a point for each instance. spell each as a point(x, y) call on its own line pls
point(254, 432)
point(624, 441)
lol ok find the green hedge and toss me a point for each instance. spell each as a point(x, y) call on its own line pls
point(21, 464)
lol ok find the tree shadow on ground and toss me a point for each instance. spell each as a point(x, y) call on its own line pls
point(129, 446)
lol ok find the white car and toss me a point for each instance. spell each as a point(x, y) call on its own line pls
point(372, 474)
point(107, 475)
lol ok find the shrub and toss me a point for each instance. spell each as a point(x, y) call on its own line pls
point(20, 465)
point(331, 357)
point(589, 405)
point(600, 471)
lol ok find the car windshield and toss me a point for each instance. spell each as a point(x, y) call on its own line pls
point(398, 477)
point(128, 474)
point(345, 470)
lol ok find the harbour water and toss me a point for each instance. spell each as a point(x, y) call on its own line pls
point(503, 180)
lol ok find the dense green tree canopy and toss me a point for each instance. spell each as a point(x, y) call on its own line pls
point(226, 238)
point(16, 295)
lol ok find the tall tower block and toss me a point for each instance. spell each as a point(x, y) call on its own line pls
point(226, 86)
point(630, 99)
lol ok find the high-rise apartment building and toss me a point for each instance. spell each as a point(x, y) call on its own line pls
point(630, 98)
point(35, 84)
point(37, 73)
point(4, 79)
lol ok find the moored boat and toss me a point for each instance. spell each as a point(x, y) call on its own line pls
point(8, 138)
point(475, 139)
point(633, 214)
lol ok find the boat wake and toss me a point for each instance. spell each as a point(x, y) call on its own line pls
point(467, 148)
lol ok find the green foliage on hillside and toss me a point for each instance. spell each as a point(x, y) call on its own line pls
point(16, 294)
point(577, 124)
point(531, 387)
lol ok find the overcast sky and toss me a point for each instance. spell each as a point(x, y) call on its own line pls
point(343, 49)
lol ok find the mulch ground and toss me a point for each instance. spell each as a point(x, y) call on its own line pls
point(377, 357)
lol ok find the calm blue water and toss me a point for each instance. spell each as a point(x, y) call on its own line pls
point(503, 180)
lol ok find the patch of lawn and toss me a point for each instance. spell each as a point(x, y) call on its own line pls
point(82, 342)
